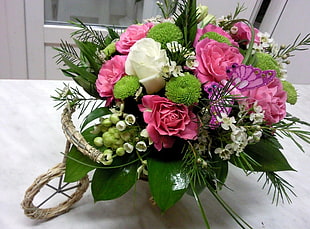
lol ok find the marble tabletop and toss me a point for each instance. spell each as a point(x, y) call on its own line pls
point(31, 142)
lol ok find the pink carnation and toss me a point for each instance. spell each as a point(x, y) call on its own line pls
point(244, 33)
point(167, 120)
point(132, 34)
point(213, 58)
point(110, 72)
point(272, 98)
point(213, 28)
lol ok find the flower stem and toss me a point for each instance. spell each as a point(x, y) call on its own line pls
point(200, 207)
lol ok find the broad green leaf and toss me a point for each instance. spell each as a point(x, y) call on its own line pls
point(88, 51)
point(108, 184)
point(168, 181)
point(267, 154)
point(220, 167)
point(81, 71)
point(97, 113)
point(78, 165)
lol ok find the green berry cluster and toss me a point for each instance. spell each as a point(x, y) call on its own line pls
point(117, 135)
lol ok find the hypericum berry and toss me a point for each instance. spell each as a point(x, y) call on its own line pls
point(98, 141)
point(120, 151)
point(114, 118)
point(106, 122)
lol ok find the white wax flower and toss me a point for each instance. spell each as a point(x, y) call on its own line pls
point(146, 60)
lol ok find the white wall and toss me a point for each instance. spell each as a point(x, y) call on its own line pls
point(285, 26)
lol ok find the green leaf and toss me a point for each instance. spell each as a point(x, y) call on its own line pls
point(168, 181)
point(88, 51)
point(97, 113)
point(78, 165)
point(108, 184)
point(267, 154)
point(220, 167)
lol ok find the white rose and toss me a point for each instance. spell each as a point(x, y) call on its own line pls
point(146, 60)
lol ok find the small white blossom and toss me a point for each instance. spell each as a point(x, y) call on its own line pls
point(121, 125)
point(226, 122)
point(128, 147)
point(130, 119)
point(141, 146)
point(225, 153)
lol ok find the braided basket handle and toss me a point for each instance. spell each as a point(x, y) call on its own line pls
point(75, 137)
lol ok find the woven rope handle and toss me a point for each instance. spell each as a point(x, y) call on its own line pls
point(36, 212)
point(76, 138)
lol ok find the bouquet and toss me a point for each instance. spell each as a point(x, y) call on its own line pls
point(176, 99)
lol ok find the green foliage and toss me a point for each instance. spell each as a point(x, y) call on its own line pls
point(266, 156)
point(72, 98)
point(78, 165)
point(94, 114)
point(281, 188)
point(288, 128)
point(108, 184)
point(168, 181)
point(297, 45)
point(187, 20)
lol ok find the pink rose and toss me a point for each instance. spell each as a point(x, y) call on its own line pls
point(244, 33)
point(166, 119)
point(213, 28)
point(272, 98)
point(132, 34)
point(110, 72)
point(213, 58)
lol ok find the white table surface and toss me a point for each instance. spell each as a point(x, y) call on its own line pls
point(31, 140)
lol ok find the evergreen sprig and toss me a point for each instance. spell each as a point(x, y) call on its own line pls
point(88, 33)
point(187, 20)
point(288, 128)
point(281, 188)
point(297, 45)
point(73, 98)
point(67, 50)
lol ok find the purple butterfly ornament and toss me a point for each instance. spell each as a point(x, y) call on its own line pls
point(246, 77)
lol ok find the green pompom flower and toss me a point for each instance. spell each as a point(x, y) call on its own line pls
point(184, 89)
point(267, 62)
point(126, 87)
point(165, 33)
point(291, 92)
point(215, 36)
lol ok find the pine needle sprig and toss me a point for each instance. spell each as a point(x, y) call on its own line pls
point(67, 50)
point(87, 33)
point(281, 188)
point(73, 98)
point(297, 45)
point(289, 129)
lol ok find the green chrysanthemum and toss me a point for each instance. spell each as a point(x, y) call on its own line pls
point(125, 87)
point(291, 92)
point(165, 33)
point(215, 36)
point(184, 89)
point(265, 61)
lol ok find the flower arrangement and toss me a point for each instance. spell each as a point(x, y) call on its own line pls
point(178, 98)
